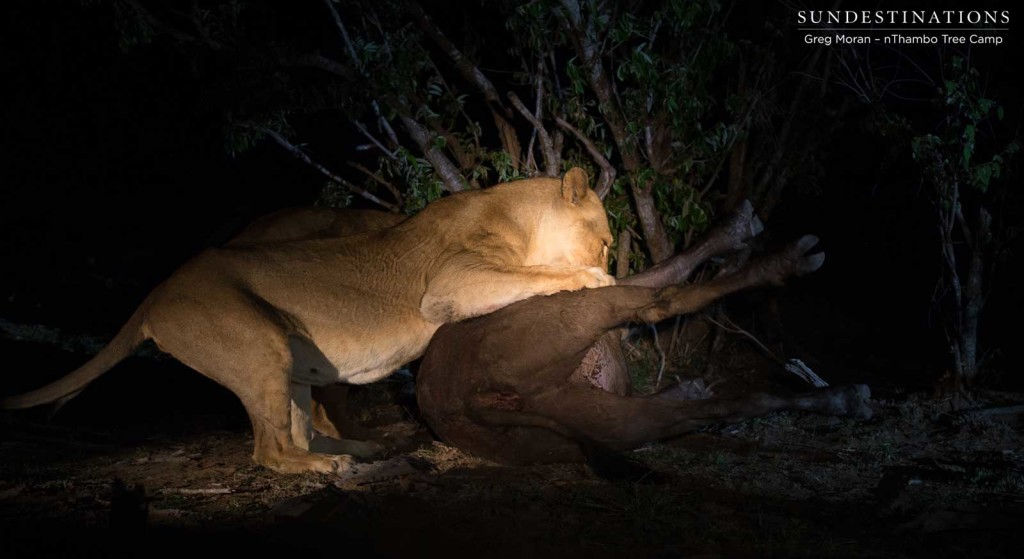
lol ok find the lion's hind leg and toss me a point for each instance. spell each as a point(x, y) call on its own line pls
point(246, 349)
point(280, 412)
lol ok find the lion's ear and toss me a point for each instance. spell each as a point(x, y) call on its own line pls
point(575, 185)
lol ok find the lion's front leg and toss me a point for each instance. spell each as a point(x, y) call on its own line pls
point(476, 290)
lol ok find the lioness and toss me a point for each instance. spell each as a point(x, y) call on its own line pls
point(267, 321)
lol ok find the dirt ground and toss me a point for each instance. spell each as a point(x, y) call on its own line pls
point(118, 474)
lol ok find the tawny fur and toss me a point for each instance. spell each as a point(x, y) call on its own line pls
point(268, 321)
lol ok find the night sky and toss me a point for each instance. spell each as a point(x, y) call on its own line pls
point(115, 172)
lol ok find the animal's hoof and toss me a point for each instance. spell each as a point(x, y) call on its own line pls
point(857, 397)
point(743, 224)
point(804, 263)
point(864, 411)
point(810, 263)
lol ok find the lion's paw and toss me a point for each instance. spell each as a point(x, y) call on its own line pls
point(341, 463)
point(596, 277)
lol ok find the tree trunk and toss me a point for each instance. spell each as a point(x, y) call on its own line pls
point(583, 36)
point(973, 300)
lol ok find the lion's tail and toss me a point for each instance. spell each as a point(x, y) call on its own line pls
point(60, 391)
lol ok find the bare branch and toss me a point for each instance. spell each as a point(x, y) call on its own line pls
point(557, 141)
point(373, 139)
point(583, 35)
point(451, 142)
point(386, 126)
point(607, 177)
point(499, 112)
point(509, 140)
point(622, 250)
point(378, 179)
point(469, 71)
point(649, 127)
point(298, 153)
point(531, 162)
point(965, 227)
point(344, 33)
point(381, 121)
point(443, 166)
point(732, 328)
point(445, 169)
point(547, 148)
point(317, 60)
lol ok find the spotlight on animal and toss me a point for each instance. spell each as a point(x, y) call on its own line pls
point(271, 320)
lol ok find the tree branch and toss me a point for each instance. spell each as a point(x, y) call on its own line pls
point(583, 35)
point(465, 160)
point(469, 71)
point(547, 147)
point(622, 250)
point(373, 139)
point(381, 121)
point(378, 179)
point(301, 155)
point(443, 166)
point(445, 169)
point(472, 74)
point(607, 176)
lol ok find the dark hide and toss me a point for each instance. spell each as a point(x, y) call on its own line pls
point(503, 386)
point(604, 366)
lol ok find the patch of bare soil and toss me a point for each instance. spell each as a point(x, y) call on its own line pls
point(157, 480)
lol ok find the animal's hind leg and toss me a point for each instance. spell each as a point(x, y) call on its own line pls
point(620, 422)
point(730, 234)
point(282, 427)
point(774, 268)
point(238, 345)
point(603, 366)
